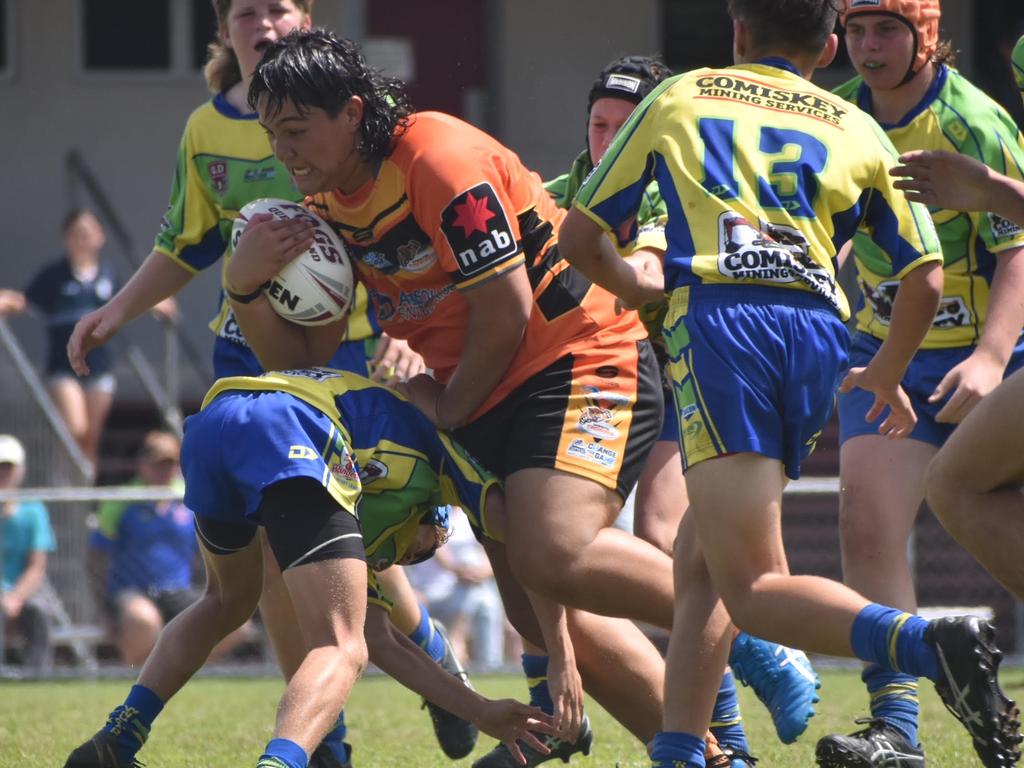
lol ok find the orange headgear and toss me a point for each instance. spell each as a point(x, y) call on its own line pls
point(922, 16)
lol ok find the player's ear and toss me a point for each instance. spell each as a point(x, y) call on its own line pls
point(829, 51)
point(739, 41)
point(353, 111)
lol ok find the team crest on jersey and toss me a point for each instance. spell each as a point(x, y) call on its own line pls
point(218, 170)
point(372, 470)
point(476, 227)
point(771, 253)
point(1003, 227)
point(415, 256)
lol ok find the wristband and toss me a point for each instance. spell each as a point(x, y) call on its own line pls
point(245, 298)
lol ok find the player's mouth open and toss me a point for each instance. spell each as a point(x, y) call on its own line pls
point(304, 171)
point(873, 64)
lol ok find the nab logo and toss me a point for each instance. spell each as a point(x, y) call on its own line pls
point(302, 452)
point(478, 231)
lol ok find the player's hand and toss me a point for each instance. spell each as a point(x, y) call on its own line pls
point(969, 381)
point(395, 362)
point(267, 244)
point(650, 282)
point(510, 722)
point(423, 391)
point(566, 688)
point(900, 420)
point(90, 332)
point(944, 180)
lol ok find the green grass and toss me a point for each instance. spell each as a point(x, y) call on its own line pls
point(215, 723)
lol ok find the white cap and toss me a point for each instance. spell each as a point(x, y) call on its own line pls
point(11, 451)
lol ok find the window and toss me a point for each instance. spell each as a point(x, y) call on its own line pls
point(127, 35)
point(204, 29)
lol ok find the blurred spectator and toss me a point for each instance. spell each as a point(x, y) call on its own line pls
point(459, 588)
point(65, 290)
point(27, 538)
point(143, 556)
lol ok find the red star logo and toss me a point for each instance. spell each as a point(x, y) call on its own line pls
point(473, 215)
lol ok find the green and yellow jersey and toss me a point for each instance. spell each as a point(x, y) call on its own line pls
point(955, 116)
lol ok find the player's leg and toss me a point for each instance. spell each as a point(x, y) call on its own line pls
point(228, 600)
point(661, 494)
point(974, 484)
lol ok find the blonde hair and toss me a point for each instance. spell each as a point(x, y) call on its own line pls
point(221, 69)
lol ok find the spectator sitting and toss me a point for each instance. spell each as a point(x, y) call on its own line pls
point(27, 538)
point(459, 588)
point(144, 554)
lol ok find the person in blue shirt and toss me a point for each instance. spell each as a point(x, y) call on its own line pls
point(27, 539)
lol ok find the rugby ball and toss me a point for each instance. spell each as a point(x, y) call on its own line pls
point(316, 287)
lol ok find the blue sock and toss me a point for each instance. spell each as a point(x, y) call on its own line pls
point(283, 753)
point(131, 721)
point(726, 720)
point(671, 748)
point(335, 739)
point(894, 640)
point(426, 637)
point(536, 670)
point(893, 699)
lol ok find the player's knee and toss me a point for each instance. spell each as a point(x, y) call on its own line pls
point(233, 606)
point(944, 491)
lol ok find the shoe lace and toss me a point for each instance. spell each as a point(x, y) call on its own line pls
point(873, 724)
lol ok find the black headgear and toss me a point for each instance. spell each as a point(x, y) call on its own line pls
point(630, 78)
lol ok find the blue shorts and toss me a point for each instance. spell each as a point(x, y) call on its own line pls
point(924, 373)
point(243, 442)
point(754, 369)
point(233, 359)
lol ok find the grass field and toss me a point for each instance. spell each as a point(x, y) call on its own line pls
point(217, 723)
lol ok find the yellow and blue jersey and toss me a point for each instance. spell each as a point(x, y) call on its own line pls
point(954, 116)
point(405, 466)
point(761, 188)
point(225, 161)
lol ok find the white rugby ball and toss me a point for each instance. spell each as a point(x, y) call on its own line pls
point(316, 287)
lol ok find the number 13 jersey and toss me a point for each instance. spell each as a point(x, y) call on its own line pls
point(764, 175)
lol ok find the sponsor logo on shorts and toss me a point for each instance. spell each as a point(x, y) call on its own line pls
point(344, 469)
point(593, 452)
point(302, 452)
point(1003, 227)
point(478, 231)
point(596, 421)
point(687, 411)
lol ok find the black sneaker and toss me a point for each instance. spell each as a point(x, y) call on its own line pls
point(969, 686)
point(880, 744)
point(500, 757)
point(99, 752)
point(456, 736)
point(322, 757)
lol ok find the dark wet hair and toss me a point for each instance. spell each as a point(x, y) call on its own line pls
point(788, 25)
point(318, 70)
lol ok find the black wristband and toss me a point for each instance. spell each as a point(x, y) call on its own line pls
point(245, 298)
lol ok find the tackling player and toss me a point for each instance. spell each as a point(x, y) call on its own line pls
point(757, 342)
point(281, 452)
point(906, 82)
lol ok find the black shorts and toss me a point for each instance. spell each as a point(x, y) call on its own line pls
point(304, 525)
point(594, 413)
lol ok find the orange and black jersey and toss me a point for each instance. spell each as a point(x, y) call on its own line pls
point(449, 209)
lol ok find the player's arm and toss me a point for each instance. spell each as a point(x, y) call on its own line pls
point(959, 183)
point(26, 584)
point(506, 720)
point(265, 247)
point(159, 278)
point(584, 245)
point(499, 309)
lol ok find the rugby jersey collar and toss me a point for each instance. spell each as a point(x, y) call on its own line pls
point(222, 105)
point(864, 100)
point(779, 63)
